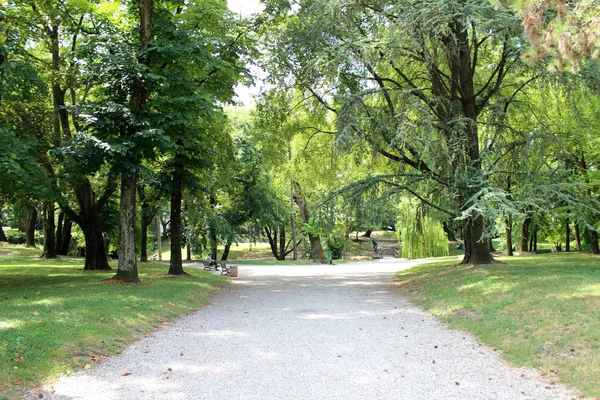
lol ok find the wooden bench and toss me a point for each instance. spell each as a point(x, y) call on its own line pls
point(224, 269)
point(209, 267)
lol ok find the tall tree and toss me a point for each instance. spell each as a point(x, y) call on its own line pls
point(412, 80)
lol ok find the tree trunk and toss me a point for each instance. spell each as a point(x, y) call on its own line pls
point(127, 266)
point(567, 235)
point(226, 251)
point(58, 94)
point(146, 220)
point(176, 264)
point(59, 234)
point(30, 234)
point(273, 241)
point(91, 225)
point(368, 233)
point(63, 234)
point(490, 245)
point(66, 239)
point(476, 249)
point(577, 236)
point(461, 72)
point(292, 223)
point(533, 242)
point(3, 237)
point(188, 248)
point(282, 246)
point(212, 230)
point(525, 233)
point(594, 242)
point(95, 250)
point(508, 226)
point(159, 237)
point(49, 230)
point(316, 249)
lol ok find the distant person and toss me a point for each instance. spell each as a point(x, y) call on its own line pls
point(374, 243)
point(211, 261)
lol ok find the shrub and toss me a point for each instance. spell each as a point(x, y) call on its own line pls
point(336, 243)
point(15, 237)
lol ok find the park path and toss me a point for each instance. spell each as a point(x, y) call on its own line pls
point(308, 332)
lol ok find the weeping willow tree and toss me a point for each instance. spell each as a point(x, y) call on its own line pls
point(421, 235)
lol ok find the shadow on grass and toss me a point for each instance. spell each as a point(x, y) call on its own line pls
point(56, 317)
point(540, 310)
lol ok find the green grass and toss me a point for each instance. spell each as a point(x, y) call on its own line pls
point(56, 318)
point(7, 249)
point(541, 311)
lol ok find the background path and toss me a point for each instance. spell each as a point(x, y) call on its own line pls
point(311, 332)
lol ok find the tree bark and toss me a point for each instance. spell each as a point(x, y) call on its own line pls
point(59, 235)
point(272, 236)
point(91, 225)
point(63, 234)
point(3, 237)
point(159, 237)
point(212, 230)
point(316, 253)
point(58, 94)
point(508, 226)
point(127, 266)
point(292, 223)
point(476, 249)
point(458, 53)
point(226, 251)
point(176, 264)
point(533, 242)
point(30, 234)
point(66, 239)
point(490, 245)
point(49, 230)
point(577, 236)
point(525, 233)
point(567, 235)
point(594, 242)
point(146, 220)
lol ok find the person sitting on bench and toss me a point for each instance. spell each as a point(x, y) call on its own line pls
point(211, 262)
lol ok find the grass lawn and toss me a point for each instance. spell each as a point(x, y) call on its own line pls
point(55, 318)
point(541, 311)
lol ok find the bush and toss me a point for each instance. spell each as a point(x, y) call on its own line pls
point(15, 237)
point(336, 244)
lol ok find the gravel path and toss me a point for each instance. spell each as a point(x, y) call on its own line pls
point(308, 332)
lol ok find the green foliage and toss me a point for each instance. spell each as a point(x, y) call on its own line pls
point(422, 235)
point(336, 243)
point(312, 227)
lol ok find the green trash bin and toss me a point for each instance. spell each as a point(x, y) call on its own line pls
point(329, 254)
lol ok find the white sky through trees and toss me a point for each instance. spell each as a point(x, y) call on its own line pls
point(245, 8)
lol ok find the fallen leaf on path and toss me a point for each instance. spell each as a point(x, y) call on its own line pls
point(87, 366)
point(125, 373)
